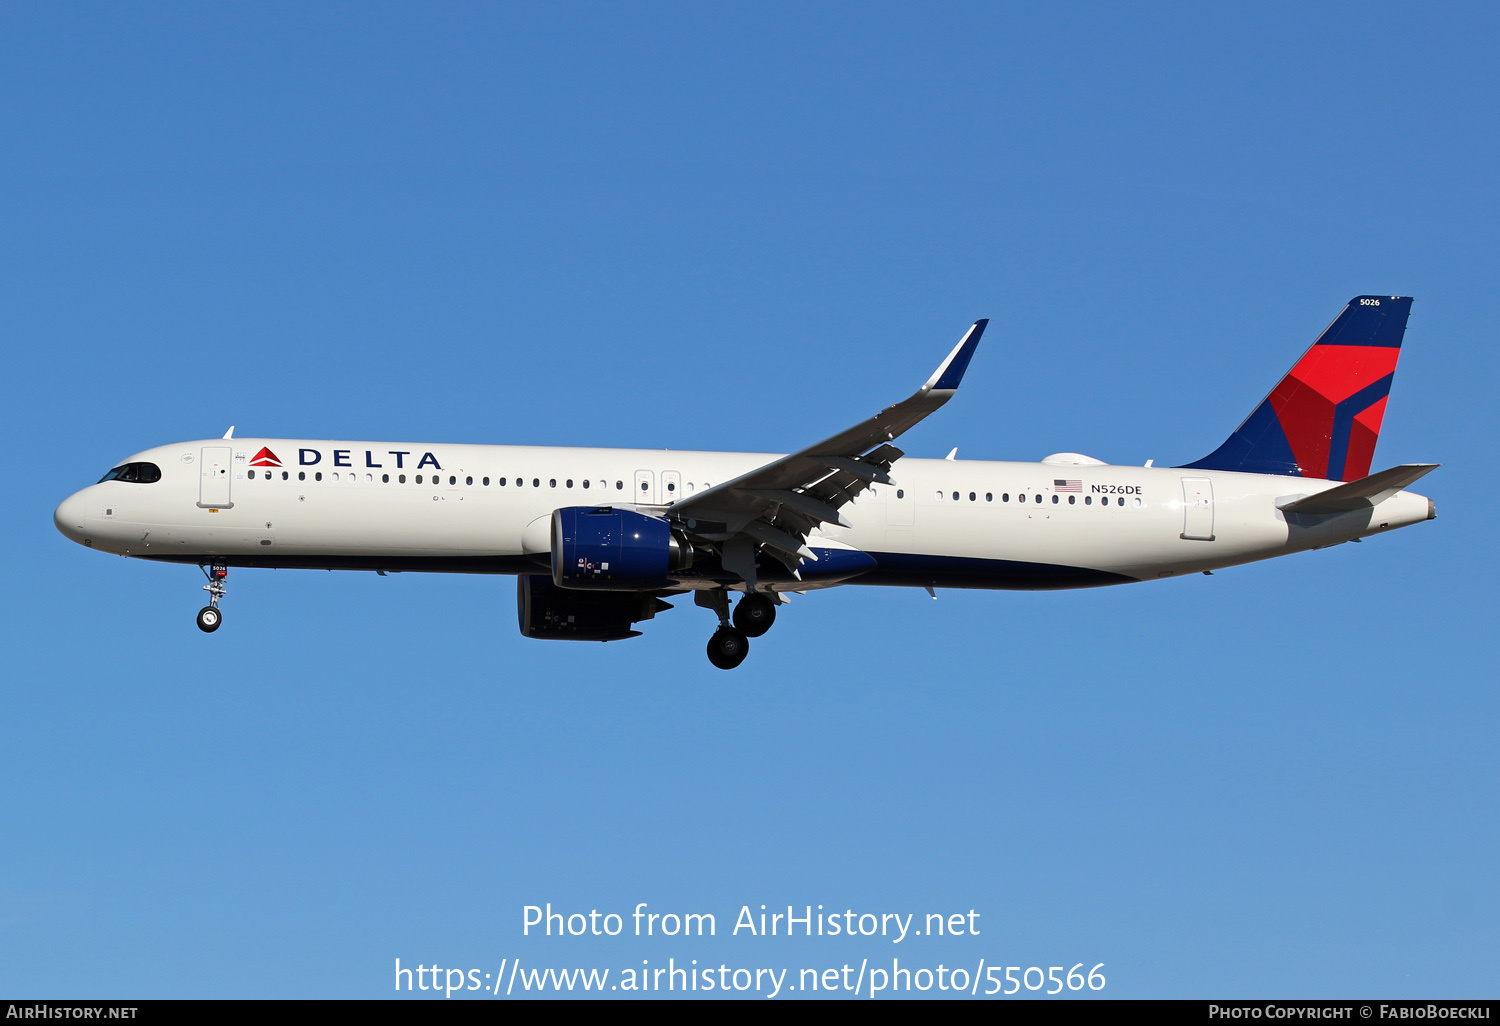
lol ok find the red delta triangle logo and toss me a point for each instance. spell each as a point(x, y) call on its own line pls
point(265, 458)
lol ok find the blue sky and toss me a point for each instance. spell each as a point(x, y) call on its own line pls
point(743, 227)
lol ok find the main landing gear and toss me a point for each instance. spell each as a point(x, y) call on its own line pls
point(754, 615)
point(752, 618)
point(209, 617)
point(728, 648)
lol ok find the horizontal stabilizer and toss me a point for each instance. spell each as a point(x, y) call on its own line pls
point(1361, 494)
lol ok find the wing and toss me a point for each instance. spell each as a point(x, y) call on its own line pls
point(775, 507)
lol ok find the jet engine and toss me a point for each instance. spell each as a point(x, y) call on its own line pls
point(608, 549)
point(547, 611)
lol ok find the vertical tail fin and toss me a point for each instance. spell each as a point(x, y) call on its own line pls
point(1323, 419)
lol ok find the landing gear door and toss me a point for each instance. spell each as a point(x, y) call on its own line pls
point(645, 487)
point(1197, 509)
point(214, 476)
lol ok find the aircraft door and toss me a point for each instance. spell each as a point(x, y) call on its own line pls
point(671, 486)
point(1197, 509)
point(214, 476)
point(645, 487)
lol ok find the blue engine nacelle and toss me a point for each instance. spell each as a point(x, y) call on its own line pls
point(612, 549)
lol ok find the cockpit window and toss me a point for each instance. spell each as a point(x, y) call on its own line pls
point(136, 473)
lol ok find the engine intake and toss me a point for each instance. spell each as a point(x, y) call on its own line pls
point(612, 549)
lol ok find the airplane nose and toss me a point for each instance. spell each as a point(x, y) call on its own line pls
point(69, 517)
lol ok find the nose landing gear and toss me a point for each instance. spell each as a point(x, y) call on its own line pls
point(209, 617)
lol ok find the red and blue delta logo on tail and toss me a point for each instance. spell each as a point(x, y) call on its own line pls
point(1323, 419)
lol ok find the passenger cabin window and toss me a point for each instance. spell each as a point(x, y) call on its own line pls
point(134, 473)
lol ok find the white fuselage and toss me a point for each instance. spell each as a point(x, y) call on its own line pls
point(487, 509)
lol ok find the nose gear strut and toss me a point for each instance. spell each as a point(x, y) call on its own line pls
point(209, 617)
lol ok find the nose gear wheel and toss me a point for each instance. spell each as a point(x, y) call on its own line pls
point(210, 616)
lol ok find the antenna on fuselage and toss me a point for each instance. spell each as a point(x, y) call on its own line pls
point(230, 432)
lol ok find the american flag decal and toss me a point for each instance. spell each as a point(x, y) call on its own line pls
point(1066, 486)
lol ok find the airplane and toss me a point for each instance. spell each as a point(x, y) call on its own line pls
point(599, 538)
